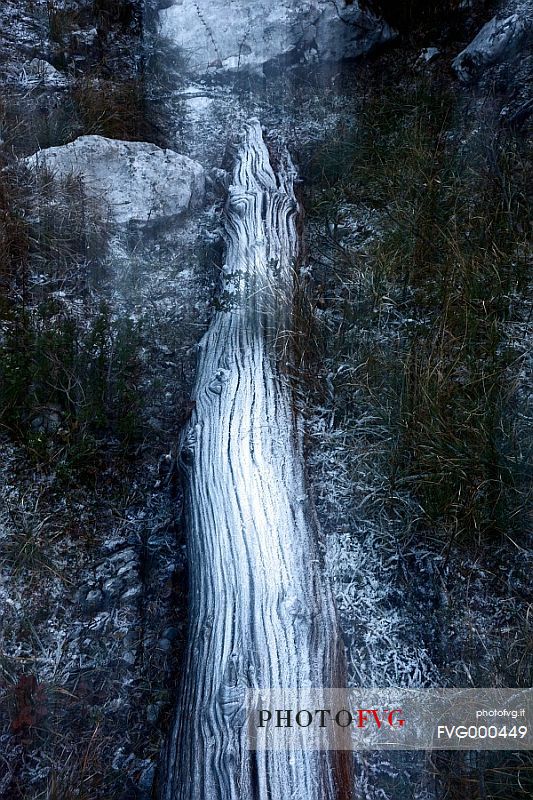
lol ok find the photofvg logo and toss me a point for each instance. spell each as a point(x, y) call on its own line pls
point(344, 718)
point(385, 719)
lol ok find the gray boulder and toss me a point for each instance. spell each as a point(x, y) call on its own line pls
point(496, 41)
point(136, 181)
point(239, 34)
point(39, 72)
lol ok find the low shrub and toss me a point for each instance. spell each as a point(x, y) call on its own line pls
point(116, 109)
point(65, 386)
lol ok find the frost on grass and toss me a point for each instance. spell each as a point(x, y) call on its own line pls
point(378, 598)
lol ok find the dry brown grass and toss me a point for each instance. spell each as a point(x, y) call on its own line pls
point(450, 257)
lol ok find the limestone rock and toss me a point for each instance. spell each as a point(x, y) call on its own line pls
point(137, 181)
point(237, 34)
point(496, 40)
point(38, 72)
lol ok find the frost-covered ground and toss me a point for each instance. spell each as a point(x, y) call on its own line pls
point(92, 570)
point(417, 607)
point(93, 589)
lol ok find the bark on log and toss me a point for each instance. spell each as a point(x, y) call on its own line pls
point(260, 613)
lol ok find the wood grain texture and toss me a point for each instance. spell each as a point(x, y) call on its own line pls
point(260, 613)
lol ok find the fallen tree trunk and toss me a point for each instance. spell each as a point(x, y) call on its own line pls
point(260, 613)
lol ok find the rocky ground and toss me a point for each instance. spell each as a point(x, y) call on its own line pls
point(92, 553)
point(352, 431)
point(421, 602)
point(93, 585)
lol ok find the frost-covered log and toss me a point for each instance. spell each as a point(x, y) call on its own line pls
point(260, 614)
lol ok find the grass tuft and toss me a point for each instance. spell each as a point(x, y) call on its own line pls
point(421, 314)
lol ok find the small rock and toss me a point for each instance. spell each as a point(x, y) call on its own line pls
point(47, 421)
point(103, 571)
point(123, 556)
point(428, 54)
point(127, 569)
point(171, 634)
point(129, 657)
point(113, 587)
point(37, 71)
point(131, 596)
point(94, 600)
point(146, 781)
